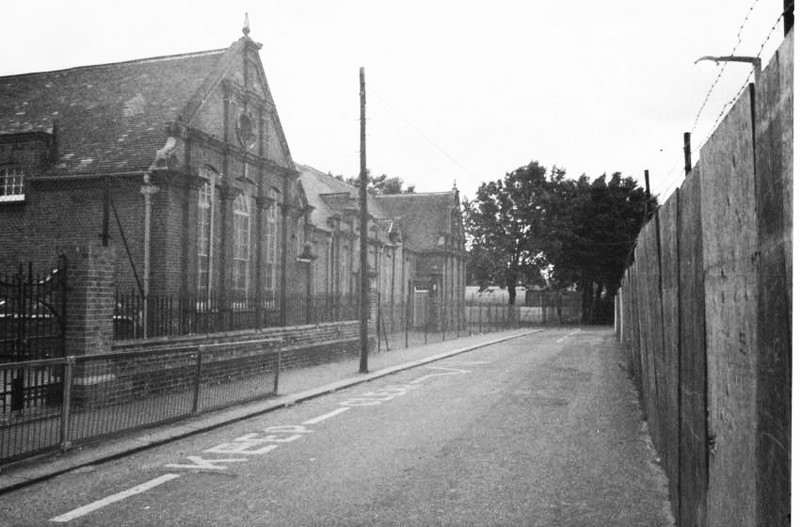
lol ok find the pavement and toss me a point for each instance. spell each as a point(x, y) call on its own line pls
point(295, 386)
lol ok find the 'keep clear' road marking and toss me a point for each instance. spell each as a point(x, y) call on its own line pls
point(565, 337)
point(260, 443)
point(99, 504)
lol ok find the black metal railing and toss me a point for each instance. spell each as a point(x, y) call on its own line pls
point(177, 315)
point(99, 395)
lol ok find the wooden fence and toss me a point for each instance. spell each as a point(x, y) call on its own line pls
point(704, 314)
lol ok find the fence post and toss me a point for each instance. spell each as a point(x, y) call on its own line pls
point(443, 318)
point(407, 318)
point(69, 363)
point(197, 372)
point(378, 321)
point(277, 370)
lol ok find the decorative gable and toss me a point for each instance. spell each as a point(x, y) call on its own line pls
point(234, 106)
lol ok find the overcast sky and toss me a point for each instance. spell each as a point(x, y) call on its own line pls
point(456, 91)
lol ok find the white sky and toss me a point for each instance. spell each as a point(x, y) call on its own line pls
point(456, 91)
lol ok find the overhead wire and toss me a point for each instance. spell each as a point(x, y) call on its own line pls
point(424, 136)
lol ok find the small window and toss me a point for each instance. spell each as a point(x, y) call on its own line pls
point(12, 184)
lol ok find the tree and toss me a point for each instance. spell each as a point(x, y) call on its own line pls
point(577, 233)
point(381, 185)
point(503, 223)
point(593, 227)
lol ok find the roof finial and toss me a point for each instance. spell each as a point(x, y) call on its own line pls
point(455, 187)
point(246, 28)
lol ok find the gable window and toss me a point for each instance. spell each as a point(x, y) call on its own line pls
point(205, 228)
point(12, 184)
point(241, 243)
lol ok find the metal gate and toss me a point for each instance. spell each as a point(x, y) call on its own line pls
point(32, 327)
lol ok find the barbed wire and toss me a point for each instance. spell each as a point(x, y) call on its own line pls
point(671, 180)
point(724, 65)
point(743, 87)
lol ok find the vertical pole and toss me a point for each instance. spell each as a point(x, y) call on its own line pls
point(687, 154)
point(277, 371)
point(788, 16)
point(362, 199)
point(65, 403)
point(106, 207)
point(378, 323)
point(147, 191)
point(406, 317)
point(197, 372)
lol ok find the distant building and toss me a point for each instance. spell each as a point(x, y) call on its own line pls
point(180, 164)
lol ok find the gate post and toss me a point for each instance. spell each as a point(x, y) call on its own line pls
point(89, 327)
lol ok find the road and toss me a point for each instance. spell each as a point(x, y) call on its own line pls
point(541, 430)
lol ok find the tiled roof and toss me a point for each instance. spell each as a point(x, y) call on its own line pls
point(423, 217)
point(111, 117)
point(330, 196)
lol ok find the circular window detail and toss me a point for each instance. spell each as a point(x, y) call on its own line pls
point(245, 130)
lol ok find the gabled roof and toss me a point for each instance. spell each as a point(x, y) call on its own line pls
point(331, 197)
point(423, 217)
point(111, 117)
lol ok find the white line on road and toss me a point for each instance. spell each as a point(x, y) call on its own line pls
point(448, 371)
point(324, 417)
point(562, 339)
point(138, 489)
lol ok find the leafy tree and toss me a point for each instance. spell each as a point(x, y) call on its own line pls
point(381, 185)
point(593, 227)
point(504, 224)
point(533, 226)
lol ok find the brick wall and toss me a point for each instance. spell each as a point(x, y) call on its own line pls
point(90, 299)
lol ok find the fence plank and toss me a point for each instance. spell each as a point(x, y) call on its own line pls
point(729, 255)
point(670, 279)
point(693, 427)
point(774, 157)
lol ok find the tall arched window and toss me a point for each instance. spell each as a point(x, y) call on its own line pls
point(205, 229)
point(271, 239)
point(241, 243)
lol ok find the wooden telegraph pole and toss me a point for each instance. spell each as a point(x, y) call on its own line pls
point(362, 200)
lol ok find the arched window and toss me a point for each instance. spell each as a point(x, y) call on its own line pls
point(271, 239)
point(241, 243)
point(205, 229)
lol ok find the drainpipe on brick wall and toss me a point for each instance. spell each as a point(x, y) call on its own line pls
point(147, 190)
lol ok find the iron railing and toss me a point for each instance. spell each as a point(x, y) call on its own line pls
point(99, 395)
point(179, 315)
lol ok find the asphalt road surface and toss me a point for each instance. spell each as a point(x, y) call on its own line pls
point(540, 430)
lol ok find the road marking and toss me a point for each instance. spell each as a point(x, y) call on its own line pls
point(241, 447)
point(470, 363)
point(325, 417)
point(562, 339)
point(138, 489)
point(200, 463)
point(448, 371)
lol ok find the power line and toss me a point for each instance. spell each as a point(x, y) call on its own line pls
point(431, 141)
